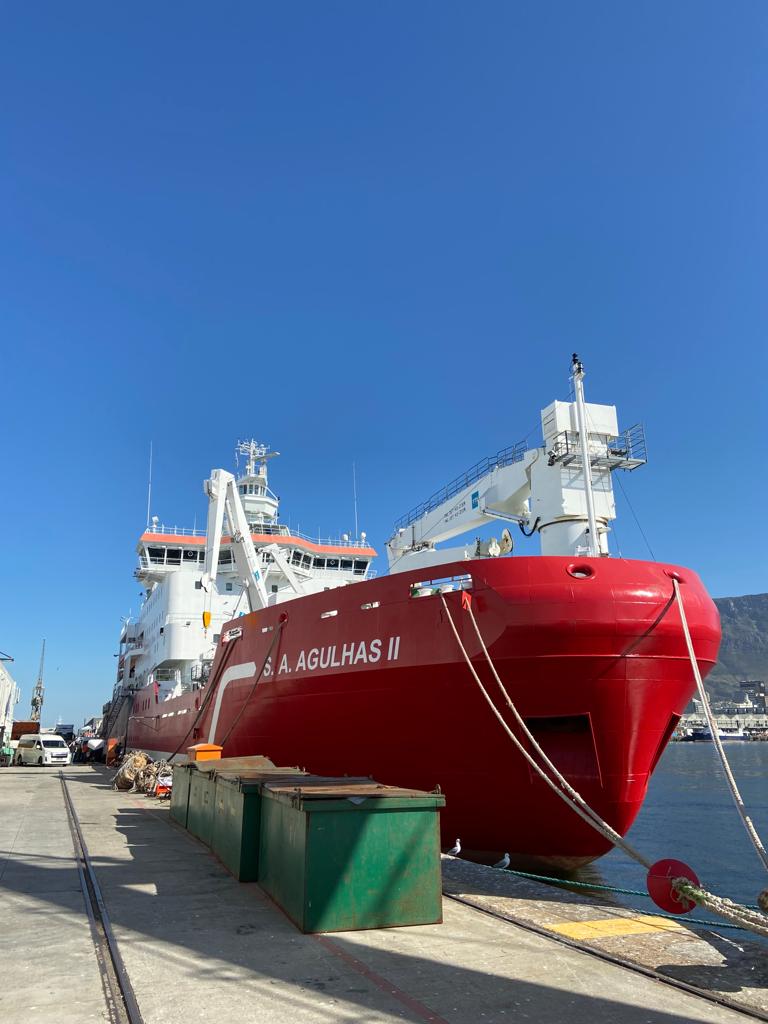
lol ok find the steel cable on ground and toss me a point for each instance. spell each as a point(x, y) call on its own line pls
point(571, 882)
point(733, 912)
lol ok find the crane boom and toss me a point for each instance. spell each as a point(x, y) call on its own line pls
point(561, 490)
point(223, 498)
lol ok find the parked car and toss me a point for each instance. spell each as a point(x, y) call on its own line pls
point(42, 749)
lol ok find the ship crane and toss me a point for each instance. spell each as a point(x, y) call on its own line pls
point(561, 490)
point(223, 498)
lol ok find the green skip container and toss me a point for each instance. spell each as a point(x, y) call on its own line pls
point(180, 793)
point(202, 803)
point(348, 856)
point(237, 818)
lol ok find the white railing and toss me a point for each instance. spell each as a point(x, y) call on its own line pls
point(265, 529)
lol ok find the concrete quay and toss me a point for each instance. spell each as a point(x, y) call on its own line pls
point(198, 945)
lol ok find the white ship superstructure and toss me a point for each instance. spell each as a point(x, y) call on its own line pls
point(167, 644)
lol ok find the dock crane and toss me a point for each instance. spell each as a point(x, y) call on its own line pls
point(39, 691)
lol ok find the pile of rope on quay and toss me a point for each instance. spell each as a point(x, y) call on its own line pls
point(134, 762)
point(154, 774)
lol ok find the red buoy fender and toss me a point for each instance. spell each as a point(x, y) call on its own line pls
point(659, 882)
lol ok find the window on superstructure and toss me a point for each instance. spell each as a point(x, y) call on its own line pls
point(306, 561)
point(229, 586)
point(346, 564)
point(190, 556)
point(332, 563)
point(225, 557)
point(156, 556)
point(173, 556)
point(296, 558)
point(319, 563)
point(360, 567)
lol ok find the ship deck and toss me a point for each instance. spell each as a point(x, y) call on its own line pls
point(195, 943)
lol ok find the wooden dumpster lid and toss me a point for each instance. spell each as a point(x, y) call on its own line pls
point(260, 774)
point(343, 788)
point(273, 776)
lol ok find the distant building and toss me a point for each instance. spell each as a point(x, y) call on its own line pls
point(747, 710)
point(755, 690)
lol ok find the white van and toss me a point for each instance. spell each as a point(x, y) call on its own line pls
point(42, 748)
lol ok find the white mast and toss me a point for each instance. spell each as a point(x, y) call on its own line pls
point(581, 419)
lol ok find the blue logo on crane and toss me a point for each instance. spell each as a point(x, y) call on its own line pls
point(475, 499)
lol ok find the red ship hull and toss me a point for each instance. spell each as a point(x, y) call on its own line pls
point(369, 680)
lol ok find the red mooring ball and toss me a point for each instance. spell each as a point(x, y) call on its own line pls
point(659, 882)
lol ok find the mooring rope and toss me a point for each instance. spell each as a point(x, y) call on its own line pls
point(745, 818)
point(739, 915)
point(567, 792)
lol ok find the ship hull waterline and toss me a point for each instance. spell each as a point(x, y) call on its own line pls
point(369, 680)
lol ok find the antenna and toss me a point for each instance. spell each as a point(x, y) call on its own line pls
point(37, 693)
point(149, 488)
point(354, 497)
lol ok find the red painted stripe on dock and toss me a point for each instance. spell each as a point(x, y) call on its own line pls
point(419, 1008)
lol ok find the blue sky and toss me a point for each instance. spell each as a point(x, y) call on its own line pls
point(369, 232)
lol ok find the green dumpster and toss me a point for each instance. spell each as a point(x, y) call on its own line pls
point(202, 805)
point(350, 856)
point(180, 793)
point(237, 816)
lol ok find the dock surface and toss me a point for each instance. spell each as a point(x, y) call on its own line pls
point(198, 945)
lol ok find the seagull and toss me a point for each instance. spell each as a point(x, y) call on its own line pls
point(456, 850)
point(504, 862)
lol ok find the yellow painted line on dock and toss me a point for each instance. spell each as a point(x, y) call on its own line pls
point(608, 926)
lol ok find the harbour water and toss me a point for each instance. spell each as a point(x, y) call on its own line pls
point(689, 814)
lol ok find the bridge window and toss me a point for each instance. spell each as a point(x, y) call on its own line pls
point(332, 563)
point(346, 565)
point(360, 567)
point(173, 556)
point(319, 563)
point(296, 558)
point(190, 556)
point(156, 556)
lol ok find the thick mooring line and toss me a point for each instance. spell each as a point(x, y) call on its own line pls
point(118, 991)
